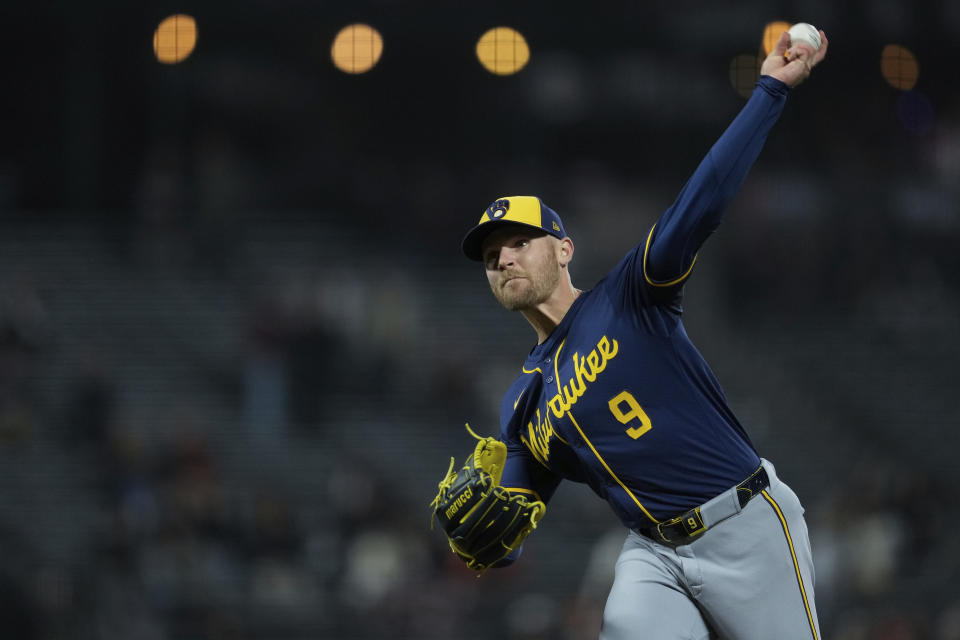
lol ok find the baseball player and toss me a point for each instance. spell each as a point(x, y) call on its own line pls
point(614, 394)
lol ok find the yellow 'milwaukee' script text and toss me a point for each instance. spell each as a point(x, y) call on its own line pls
point(539, 437)
point(585, 370)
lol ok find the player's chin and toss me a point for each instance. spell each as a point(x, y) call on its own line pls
point(516, 305)
point(513, 297)
point(509, 302)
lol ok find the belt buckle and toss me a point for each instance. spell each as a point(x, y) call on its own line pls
point(691, 522)
point(660, 533)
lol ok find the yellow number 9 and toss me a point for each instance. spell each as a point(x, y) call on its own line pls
point(635, 412)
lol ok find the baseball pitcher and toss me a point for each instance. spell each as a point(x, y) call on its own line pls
point(615, 395)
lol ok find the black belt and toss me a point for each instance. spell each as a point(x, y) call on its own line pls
point(689, 525)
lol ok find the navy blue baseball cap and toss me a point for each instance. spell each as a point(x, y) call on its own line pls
point(528, 211)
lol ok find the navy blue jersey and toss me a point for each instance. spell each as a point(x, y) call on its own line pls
point(617, 396)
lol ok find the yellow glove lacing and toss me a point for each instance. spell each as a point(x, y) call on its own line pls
point(489, 456)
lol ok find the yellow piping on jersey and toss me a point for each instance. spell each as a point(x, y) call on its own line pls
point(534, 370)
point(517, 401)
point(556, 373)
point(796, 565)
point(646, 248)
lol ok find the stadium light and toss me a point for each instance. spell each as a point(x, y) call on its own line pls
point(356, 48)
point(899, 67)
point(175, 38)
point(503, 51)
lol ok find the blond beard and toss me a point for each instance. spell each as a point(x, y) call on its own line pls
point(538, 285)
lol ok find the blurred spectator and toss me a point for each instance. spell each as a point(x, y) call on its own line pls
point(24, 335)
point(18, 613)
point(90, 405)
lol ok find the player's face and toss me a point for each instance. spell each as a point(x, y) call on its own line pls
point(522, 267)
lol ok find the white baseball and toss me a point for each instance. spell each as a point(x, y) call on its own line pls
point(806, 33)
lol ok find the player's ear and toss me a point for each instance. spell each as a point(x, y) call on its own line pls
point(565, 251)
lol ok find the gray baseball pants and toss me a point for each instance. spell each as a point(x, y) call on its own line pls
point(749, 576)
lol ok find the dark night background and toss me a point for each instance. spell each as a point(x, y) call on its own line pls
point(238, 340)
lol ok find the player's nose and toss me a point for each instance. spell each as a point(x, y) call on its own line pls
point(506, 258)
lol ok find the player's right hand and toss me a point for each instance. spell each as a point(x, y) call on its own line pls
point(801, 60)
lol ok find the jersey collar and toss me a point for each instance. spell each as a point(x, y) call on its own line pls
point(541, 352)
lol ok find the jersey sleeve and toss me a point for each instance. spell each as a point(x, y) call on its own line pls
point(524, 475)
point(669, 251)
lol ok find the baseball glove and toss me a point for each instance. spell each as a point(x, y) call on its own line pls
point(483, 522)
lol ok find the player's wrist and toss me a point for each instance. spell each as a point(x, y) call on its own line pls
point(773, 85)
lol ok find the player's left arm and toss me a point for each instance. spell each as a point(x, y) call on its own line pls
point(524, 476)
point(672, 244)
point(485, 521)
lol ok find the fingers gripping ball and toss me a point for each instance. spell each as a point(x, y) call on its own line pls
point(482, 521)
point(805, 34)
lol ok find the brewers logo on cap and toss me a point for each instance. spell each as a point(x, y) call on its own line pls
point(498, 209)
point(528, 211)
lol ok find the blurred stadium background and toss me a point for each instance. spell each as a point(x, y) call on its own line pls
point(238, 341)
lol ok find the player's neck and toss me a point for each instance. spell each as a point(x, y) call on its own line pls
point(545, 317)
